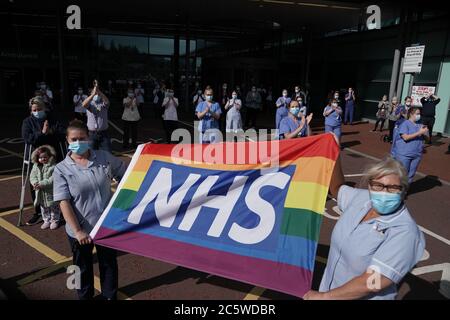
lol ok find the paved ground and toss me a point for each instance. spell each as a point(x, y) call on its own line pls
point(32, 261)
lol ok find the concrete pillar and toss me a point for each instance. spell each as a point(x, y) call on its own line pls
point(394, 73)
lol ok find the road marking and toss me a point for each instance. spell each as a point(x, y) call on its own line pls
point(47, 251)
point(434, 235)
point(44, 272)
point(420, 174)
point(19, 155)
point(10, 170)
point(254, 294)
point(10, 178)
point(444, 286)
point(32, 242)
point(7, 213)
point(115, 127)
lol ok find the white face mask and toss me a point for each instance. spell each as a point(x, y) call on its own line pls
point(234, 96)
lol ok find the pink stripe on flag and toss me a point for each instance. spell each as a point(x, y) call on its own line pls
point(264, 273)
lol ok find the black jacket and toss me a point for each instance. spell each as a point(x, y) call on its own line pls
point(429, 107)
point(32, 133)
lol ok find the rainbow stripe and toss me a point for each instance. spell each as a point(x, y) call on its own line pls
point(283, 262)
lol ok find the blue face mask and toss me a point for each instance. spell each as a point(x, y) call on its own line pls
point(79, 147)
point(96, 98)
point(385, 203)
point(417, 117)
point(39, 114)
point(209, 98)
point(295, 111)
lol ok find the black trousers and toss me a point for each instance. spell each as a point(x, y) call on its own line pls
point(169, 127)
point(251, 117)
point(382, 124)
point(391, 129)
point(129, 127)
point(141, 110)
point(429, 122)
point(107, 262)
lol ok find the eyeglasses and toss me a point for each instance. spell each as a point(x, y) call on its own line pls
point(43, 158)
point(392, 188)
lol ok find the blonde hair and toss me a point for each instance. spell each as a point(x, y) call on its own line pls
point(386, 167)
point(37, 100)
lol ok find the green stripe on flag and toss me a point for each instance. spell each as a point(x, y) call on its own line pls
point(124, 199)
point(301, 223)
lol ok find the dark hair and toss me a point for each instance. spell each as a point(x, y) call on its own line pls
point(408, 97)
point(412, 110)
point(77, 125)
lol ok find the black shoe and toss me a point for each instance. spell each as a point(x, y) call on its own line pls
point(36, 218)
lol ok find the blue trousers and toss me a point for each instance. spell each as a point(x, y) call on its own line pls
point(349, 111)
point(335, 129)
point(410, 163)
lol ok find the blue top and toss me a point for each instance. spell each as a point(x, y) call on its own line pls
point(334, 118)
point(282, 110)
point(390, 245)
point(87, 188)
point(289, 125)
point(411, 148)
point(208, 121)
point(396, 136)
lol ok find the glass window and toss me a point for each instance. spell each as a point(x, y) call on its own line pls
point(162, 46)
point(183, 47)
point(123, 43)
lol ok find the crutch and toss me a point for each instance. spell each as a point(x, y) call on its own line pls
point(26, 165)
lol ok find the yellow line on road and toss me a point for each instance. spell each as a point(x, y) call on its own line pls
point(47, 251)
point(10, 178)
point(38, 275)
point(32, 242)
point(7, 213)
point(254, 294)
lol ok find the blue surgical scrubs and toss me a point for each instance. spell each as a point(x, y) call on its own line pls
point(289, 125)
point(390, 245)
point(333, 121)
point(282, 111)
point(409, 153)
point(208, 121)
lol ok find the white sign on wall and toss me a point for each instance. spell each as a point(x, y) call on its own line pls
point(412, 62)
point(420, 91)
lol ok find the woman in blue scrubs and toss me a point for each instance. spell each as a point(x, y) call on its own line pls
point(409, 146)
point(282, 105)
point(376, 242)
point(295, 124)
point(333, 118)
